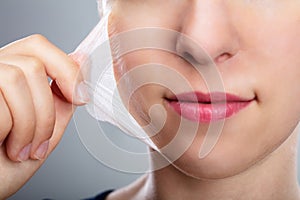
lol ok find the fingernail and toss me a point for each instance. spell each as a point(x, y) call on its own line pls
point(82, 93)
point(24, 153)
point(42, 150)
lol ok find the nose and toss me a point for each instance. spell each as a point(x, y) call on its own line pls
point(208, 33)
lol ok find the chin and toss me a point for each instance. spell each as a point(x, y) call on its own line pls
point(232, 155)
point(214, 166)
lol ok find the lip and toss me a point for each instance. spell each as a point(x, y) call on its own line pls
point(207, 107)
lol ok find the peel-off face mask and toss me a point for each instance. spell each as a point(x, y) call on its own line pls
point(115, 97)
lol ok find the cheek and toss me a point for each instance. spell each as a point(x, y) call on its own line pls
point(273, 54)
point(140, 86)
point(152, 13)
point(271, 44)
point(280, 69)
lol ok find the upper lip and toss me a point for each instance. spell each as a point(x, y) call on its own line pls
point(213, 97)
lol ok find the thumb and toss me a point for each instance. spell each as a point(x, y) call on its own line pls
point(64, 111)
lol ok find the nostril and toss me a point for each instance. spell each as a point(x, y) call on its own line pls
point(222, 58)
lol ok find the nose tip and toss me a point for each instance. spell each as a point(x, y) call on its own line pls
point(193, 52)
point(208, 34)
point(206, 52)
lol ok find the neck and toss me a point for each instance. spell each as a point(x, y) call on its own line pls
point(273, 178)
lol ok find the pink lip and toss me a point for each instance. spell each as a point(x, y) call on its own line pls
point(200, 107)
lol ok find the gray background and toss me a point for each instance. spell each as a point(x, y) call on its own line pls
point(70, 172)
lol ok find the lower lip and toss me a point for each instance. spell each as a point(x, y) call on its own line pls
point(205, 113)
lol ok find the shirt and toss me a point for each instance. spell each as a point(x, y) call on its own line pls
point(101, 196)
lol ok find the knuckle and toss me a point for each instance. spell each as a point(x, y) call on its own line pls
point(14, 75)
point(36, 38)
point(35, 66)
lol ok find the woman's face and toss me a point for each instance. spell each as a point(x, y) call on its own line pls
point(255, 46)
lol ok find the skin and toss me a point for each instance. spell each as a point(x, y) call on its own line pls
point(252, 160)
point(252, 43)
point(43, 112)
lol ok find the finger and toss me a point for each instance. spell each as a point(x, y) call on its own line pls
point(59, 66)
point(64, 112)
point(42, 99)
point(17, 94)
point(5, 119)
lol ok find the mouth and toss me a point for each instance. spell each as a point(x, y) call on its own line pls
point(207, 107)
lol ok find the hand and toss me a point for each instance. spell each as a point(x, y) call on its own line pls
point(33, 114)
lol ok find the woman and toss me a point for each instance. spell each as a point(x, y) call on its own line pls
point(254, 47)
